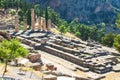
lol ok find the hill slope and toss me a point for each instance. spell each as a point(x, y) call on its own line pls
point(88, 11)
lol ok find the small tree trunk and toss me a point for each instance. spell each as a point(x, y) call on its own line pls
point(6, 61)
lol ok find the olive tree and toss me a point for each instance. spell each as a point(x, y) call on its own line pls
point(10, 50)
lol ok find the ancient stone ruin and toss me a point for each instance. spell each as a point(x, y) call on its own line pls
point(87, 55)
point(41, 23)
point(25, 24)
point(16, 24)
point(32, 19)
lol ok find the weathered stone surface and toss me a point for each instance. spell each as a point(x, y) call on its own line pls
point(25, 25)
point(49, 26)
point(39, 23)
point(32, 19)
point(116, 68)
point(34, 57)
point(4, 35)
point(16, 24)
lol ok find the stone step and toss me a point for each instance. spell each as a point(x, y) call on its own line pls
point(28, 47)
point(65, 49)
point(64, 55)
point(29, 42)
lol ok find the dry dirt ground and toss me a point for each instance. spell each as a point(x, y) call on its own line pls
point(13, 72)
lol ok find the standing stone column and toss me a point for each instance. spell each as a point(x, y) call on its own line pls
point(39, 23)
point(49, 25)
point(16, 24)
point(25, 25)
point(44, 25)
point(32, 19)
point(42, 22)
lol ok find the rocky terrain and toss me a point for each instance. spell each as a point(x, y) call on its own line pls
point(88, 11)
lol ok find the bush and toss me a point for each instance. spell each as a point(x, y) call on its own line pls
point(108, 39)
point(12, 12)
point(78, 34)
point(63, 29)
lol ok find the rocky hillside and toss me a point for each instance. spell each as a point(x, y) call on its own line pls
point(87, 11)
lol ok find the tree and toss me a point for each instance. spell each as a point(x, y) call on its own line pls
point(37, 9)
point(10, 50)
point(12, 12)
point(108, 39)
point(117, 42)
point(46, 15)
point(78, 34)
point(117, 38)
point(102, 24)
point(93, 31)
point(118, 21)
point(62, 29)
point(17, 2)
point(53, 16)
point(73, 24)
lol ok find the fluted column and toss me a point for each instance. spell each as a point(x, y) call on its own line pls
point(32, 19)
point(25, 25)
point(44, 25)
point(39, 23)
point(49, 25)
point(16, 24)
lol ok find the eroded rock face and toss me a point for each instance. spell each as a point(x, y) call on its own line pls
point(4, 35)
point(87, 11)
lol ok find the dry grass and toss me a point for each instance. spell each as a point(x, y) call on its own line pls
point(81, 73)
point(54, 30)
point(112, 76)
point(67, 34)
point(70, 35)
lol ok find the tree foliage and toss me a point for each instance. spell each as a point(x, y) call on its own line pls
point(78, 34)
point(117, 42)
point(10, 50)
point(118, 21)
point(54, 16)
point(108, 39)
point(62, 29)
point(46, 15)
